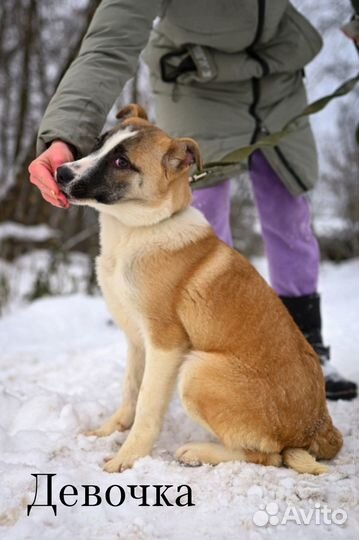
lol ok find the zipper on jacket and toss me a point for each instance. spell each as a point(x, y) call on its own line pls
point(253, 109)
point(255, 81)
point(256, 90)
point(290, 168)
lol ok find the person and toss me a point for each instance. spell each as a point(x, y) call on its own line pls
point(224, 73)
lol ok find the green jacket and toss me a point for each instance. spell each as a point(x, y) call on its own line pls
point(249, 57)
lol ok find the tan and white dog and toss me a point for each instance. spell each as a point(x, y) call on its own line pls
point(194, 310)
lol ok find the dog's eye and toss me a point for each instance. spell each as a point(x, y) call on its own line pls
point(122, 163)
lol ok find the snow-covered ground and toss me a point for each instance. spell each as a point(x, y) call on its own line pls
point(61, 367)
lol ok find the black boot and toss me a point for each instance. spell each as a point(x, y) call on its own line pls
point(305, 311)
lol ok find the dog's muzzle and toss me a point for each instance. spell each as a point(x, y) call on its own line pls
point(64, 175)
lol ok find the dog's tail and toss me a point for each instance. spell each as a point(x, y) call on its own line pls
point(326, 443)
point(302, 461)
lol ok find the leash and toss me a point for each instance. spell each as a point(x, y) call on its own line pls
point(216, 171)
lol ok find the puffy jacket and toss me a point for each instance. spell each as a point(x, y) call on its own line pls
point(249, 57)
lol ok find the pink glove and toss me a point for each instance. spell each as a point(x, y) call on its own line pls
point(42, 172)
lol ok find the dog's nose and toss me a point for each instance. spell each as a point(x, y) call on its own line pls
point(64, 175)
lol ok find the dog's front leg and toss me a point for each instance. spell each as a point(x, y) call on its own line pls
point(123, 418)
point(160, 373)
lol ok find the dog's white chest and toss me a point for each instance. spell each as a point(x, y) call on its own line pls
point(117, 281)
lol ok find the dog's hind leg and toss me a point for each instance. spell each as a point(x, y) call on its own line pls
point(217, 396)
point(123, 418)
point(214, 453)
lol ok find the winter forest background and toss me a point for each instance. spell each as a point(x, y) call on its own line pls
point(45, 250)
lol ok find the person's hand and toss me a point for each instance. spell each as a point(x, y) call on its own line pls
point(42, 172)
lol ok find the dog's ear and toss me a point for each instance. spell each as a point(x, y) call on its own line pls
point(183, 153)
point(132, 110)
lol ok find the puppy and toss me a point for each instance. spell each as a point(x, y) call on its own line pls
point(194, 310)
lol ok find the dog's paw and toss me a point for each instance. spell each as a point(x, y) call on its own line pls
point(97, 433)
point(121, 461)
point(126, 457)
point(107, 429)
point(187, 454)
point(114, 465)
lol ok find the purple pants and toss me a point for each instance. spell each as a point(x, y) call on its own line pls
point(290, 245)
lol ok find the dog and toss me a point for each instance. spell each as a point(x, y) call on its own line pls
point(195, 310)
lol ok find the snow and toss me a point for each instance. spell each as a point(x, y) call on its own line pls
point(61, 368)
point(330, 226)
point(59, 273)
point(336, 62)
point(30, 233)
